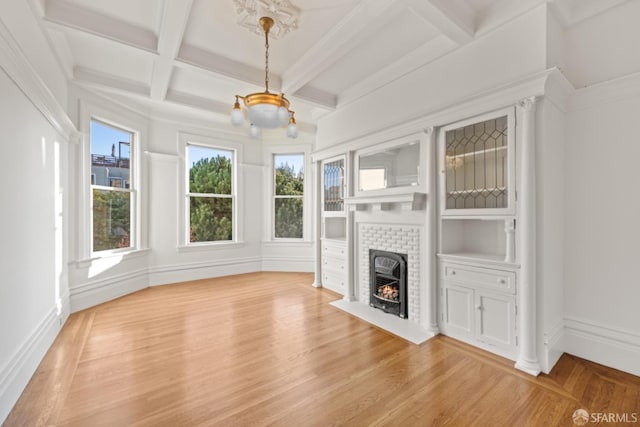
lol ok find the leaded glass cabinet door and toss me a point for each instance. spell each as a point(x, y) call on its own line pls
point(477, 166)
point(333, 186)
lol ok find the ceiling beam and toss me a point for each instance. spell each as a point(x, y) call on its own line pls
point(317, 97)
point(229, 68)
point(452, 18)
point(175, 15)
point(85, 76)
point(69, 15)
point(358, 25)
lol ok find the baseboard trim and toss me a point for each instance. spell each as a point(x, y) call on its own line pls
point(288, 264)
point(98, 291)
point(166, 275)
point(16, 373)
point(613, 347)
point(553, 346)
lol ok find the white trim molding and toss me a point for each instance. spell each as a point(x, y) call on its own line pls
point(169, 274)
point(16, 373)
point(288, 263)
point(552, 347)
point(18, 68)
point(608, 345)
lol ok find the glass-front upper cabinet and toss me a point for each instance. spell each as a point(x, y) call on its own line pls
point(477, 166)
point(333, 185)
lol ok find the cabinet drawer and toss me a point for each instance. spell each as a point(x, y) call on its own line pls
point(504, 281)
point(334, 281)
point(337, 265)
point(333, 249)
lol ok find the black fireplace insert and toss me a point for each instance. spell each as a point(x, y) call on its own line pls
point(388, 282)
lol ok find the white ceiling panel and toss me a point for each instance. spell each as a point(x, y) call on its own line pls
point(118, 60)
point(145, 14)
point(210, 85)
point(402, 35)
point(212, 27)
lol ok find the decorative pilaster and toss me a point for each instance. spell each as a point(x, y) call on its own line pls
point(528, 355)
point(431, 291)
point(350, 291)
point(317, 224)
point(510, 232)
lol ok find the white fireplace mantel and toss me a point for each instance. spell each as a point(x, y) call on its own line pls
point(413, 201)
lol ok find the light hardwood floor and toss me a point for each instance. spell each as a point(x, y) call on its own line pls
point(268, 349)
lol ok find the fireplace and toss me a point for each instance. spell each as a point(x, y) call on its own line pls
point(388, 281)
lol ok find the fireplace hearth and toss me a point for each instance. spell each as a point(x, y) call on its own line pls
point(388, 281)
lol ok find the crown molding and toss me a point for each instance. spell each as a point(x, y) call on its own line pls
point(15, 64)
point(622, 88)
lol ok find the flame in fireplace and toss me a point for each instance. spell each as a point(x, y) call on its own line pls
point(388, 292)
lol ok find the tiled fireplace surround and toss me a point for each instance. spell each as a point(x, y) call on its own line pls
point(387, 232)
point(403, 239)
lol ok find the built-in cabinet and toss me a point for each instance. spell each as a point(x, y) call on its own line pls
point(477, 270)
point(333, 258)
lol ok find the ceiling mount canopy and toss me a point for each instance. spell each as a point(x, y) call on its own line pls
point(265, 110)
point(282, 12)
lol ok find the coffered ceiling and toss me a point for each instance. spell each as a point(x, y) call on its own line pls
point(193, 55)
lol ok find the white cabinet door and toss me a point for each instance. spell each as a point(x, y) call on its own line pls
point(458, 311)
point(495, 319)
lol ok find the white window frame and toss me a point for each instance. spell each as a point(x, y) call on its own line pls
point(186, 139)
point(269, 201)
point(137, 125)
point(275, 197)
point(131, 191)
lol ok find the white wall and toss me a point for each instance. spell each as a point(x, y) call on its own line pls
point(511, 52)
point(603, 47)
point(170, 261)
point(32, 257)
point(602, 285)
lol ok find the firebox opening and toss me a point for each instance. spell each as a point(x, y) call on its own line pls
point(388, 282)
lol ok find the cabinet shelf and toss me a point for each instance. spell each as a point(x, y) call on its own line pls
point(478, 258)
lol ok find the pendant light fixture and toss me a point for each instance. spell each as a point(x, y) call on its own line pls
point(265, 110)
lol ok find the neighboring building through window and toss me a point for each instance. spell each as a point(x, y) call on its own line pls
point(210, 194)
point(288, 196)
point(111, 199)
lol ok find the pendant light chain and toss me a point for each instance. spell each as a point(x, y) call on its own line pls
point(266, 60)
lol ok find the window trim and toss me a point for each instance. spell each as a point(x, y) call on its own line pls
point(184, 140)
point(132, 191)
point(275, 196)
point(269, 192)
point(138, 125)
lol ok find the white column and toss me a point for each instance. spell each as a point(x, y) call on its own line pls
point(317, 224)
point(431, 303)
point(350, 288)
point(510, 232)
point(528, 355)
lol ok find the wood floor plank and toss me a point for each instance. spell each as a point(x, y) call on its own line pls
point(268, 349)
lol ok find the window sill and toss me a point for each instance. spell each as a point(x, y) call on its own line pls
point(200, 247)
point(124, 255)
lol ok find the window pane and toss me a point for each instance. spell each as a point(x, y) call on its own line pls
point(209, 170)
point(111, 220)
point(288, 218)
point(289, 174)
point(110, 155)
point(211, 219)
